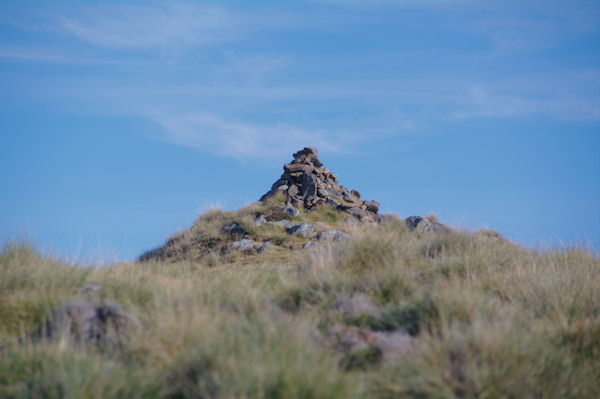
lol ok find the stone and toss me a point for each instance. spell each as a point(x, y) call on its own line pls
point(357, 212)
point(260, 221)
point(332, 235)
point(372, 206)
point(235, 228)
point(290, 210)
point(309, 187)
point(385, 218)
point(102, 324)
point(308, 154)
point(243, 245)
point(334, 203)
point(304, 229)
point(305, 152)
point(352, 222)
point(298, 167)
point(264, 247)
point(281, 223)
point(332, 194)
point(293, 190)
point(350, 202)
point(426, 225)
point(355, 193)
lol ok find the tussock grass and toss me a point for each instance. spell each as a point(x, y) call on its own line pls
point(484, 317)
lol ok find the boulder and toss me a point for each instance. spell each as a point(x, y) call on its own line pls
point(290, 210)
point(304, 229)
point(385, 218)
point(332, 235)
point(103, 324)
point(372, 206)
point(235, 228)
point(243, 245)
point(418, 223)
point(281, 223)
point(356, 212)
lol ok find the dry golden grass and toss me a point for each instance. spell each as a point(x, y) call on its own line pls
point(484, 318)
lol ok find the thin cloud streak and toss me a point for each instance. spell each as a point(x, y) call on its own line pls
point(151, 27)
point(241, 140)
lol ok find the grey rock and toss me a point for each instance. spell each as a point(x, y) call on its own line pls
point(309, 187)
point(372, 206)
point(304, 229)
point(264, 247)
point(352, 222)
point(333, 194)
point(298, 167)
point(260, 221)
point(419, 223)
point(357, 212)
point(385, 218)
point(281, 223)
point(103, 324)
point(290, 210)
point(235, 228)
point(243, 245)
point(293, 190)
point(332, 235)
point(333, 203)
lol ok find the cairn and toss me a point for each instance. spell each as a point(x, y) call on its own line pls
point(305, 182)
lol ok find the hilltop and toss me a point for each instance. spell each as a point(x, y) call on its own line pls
point(310, 292)
point(305, 207)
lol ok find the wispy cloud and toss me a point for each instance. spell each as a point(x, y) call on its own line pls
point(481, 102)
point(242, 140)
point(152, 26)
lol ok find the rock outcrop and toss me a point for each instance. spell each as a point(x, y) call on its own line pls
point(305, 182)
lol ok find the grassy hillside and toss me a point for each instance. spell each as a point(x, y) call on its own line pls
point(387, 313)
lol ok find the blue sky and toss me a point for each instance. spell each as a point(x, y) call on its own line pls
point(122, 121)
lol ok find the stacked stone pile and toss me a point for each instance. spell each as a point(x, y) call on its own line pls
point(305, 182)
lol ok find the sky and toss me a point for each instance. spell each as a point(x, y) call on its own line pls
point(122, 121)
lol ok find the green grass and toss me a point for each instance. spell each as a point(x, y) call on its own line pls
point(484, 318)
